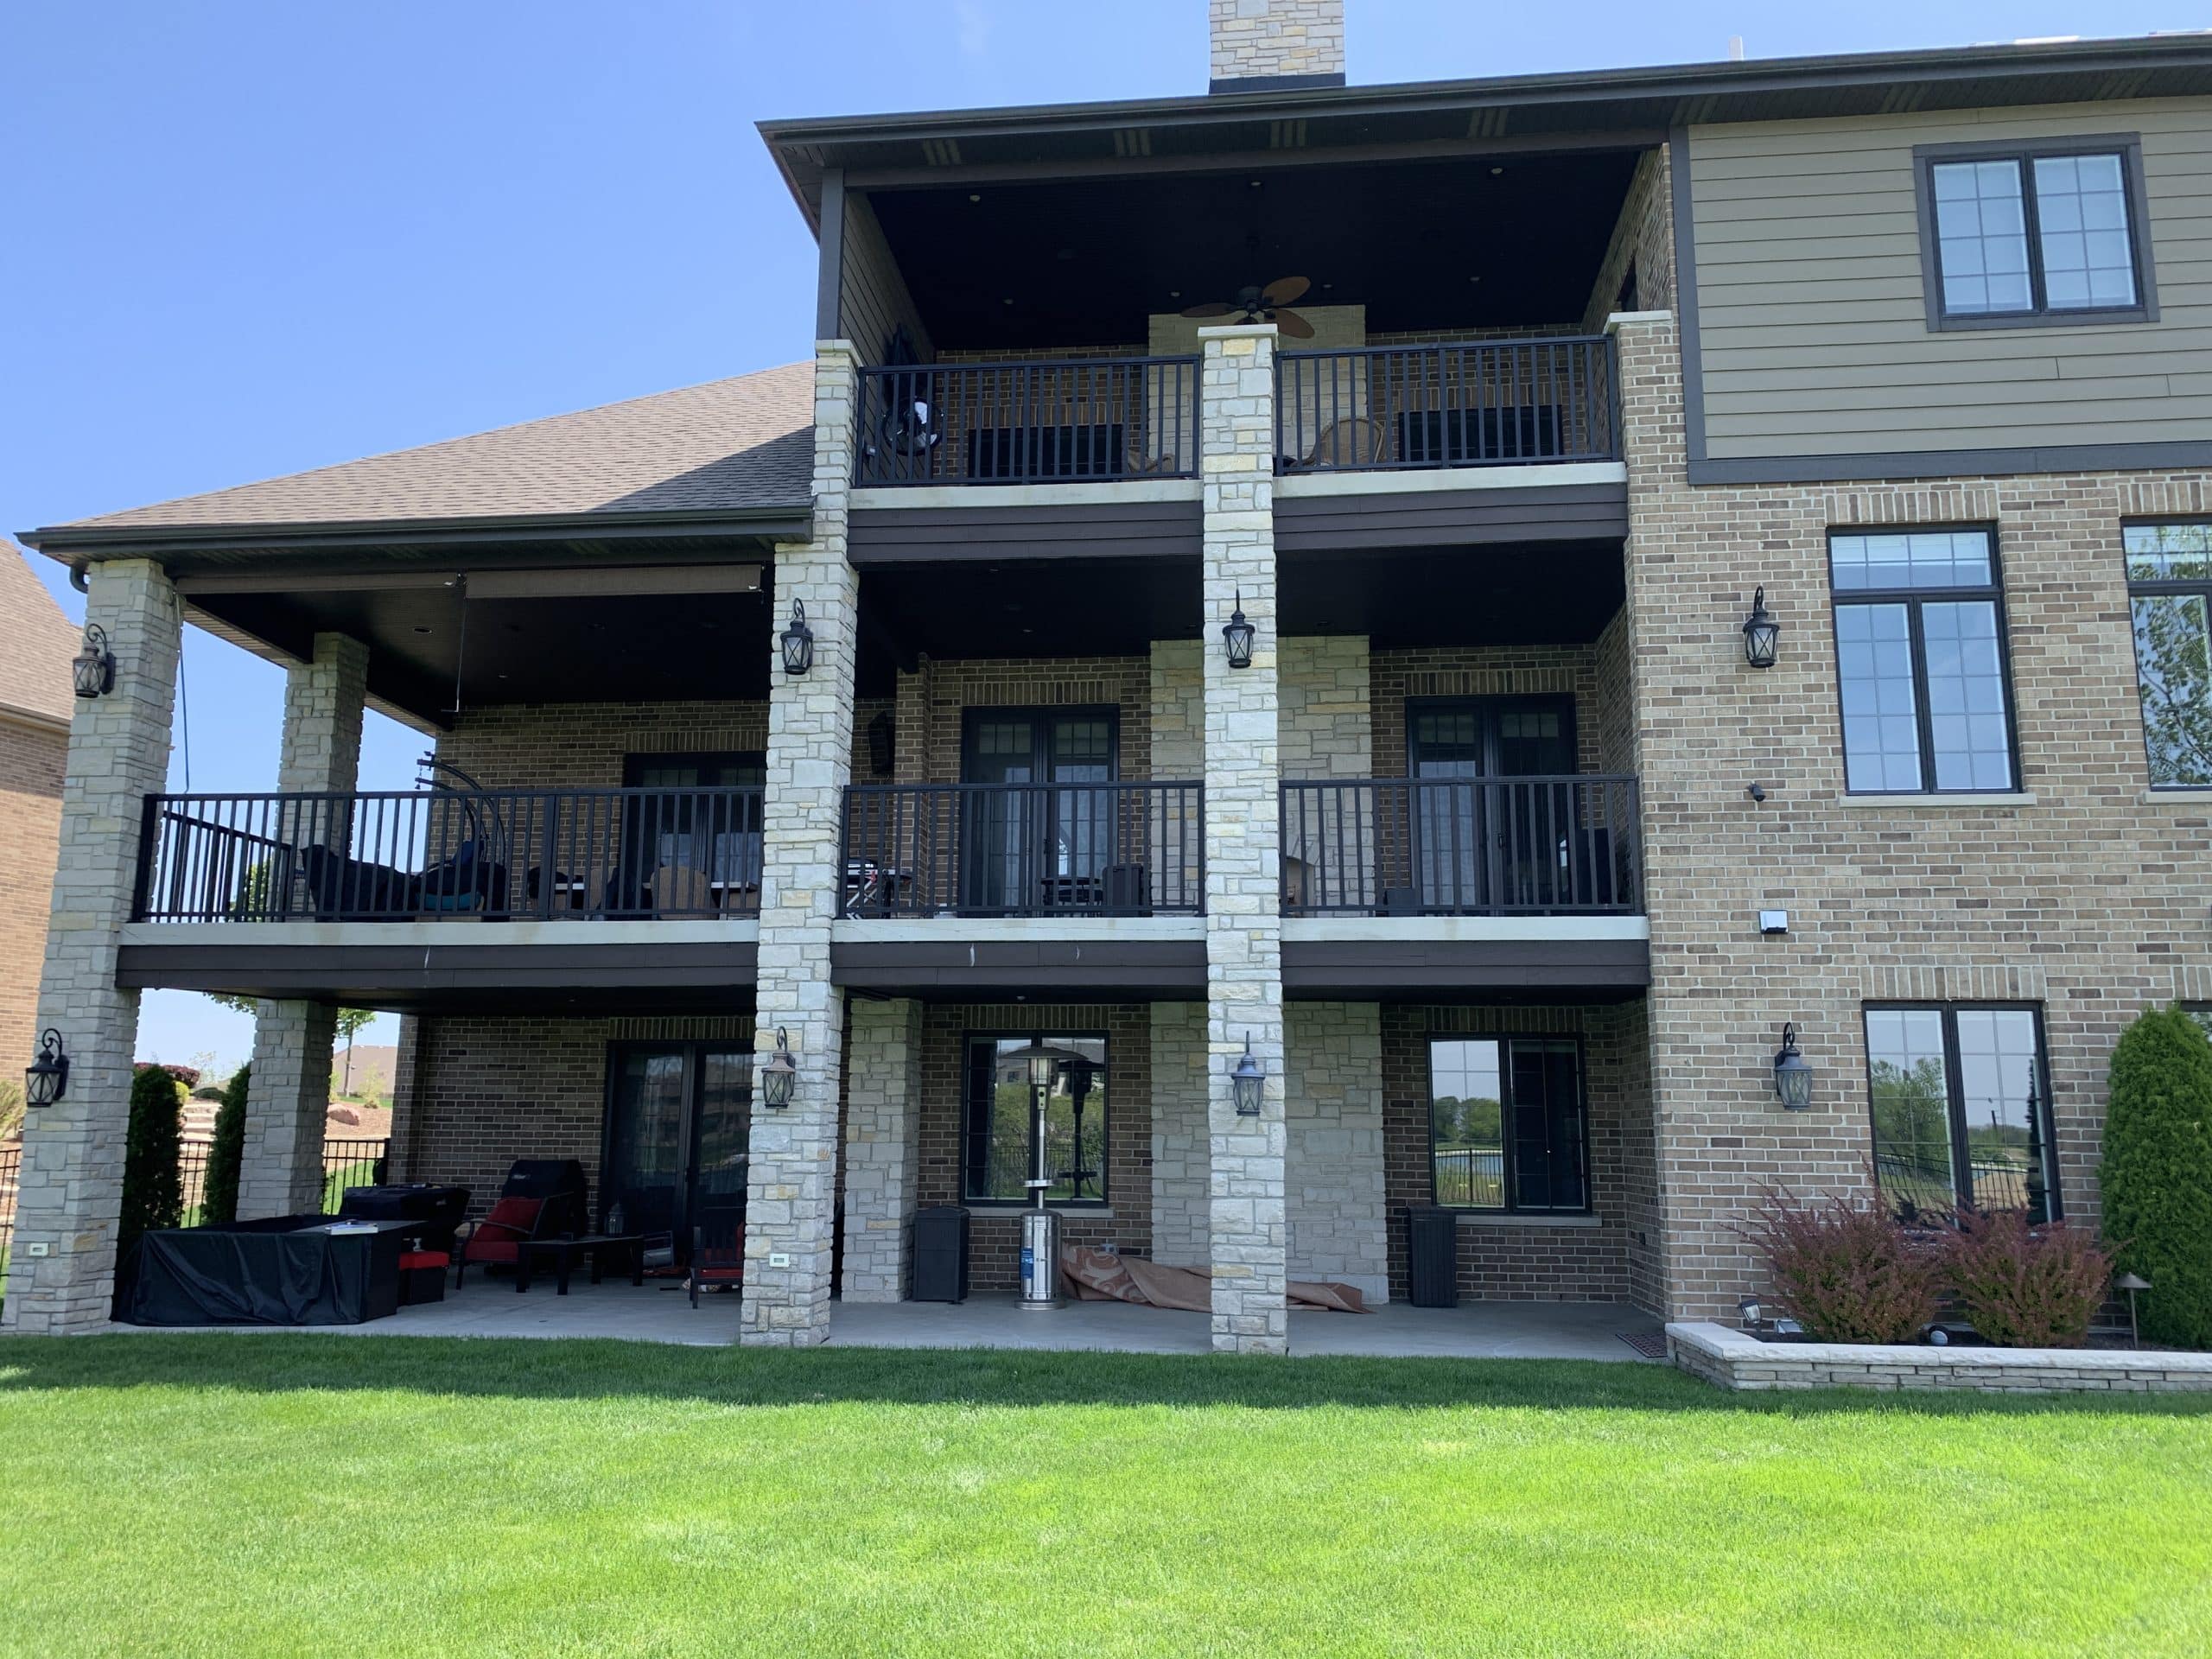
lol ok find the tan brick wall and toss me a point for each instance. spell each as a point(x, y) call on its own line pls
point(1643, 238)
point(582, 745)
point(934, 701)
point(1487, 671)
point(32, 759)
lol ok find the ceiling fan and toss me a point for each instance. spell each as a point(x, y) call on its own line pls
point(1266, 304)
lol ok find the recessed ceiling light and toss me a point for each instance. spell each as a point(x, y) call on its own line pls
point(972, 196)
point(420, 629)
point(1495, 171)
point(1256, 184)
point(1007, 301)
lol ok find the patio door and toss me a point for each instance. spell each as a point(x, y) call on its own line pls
point(1476, 848)
point(1030, 849)
point(678, 1117)
point(681, 850)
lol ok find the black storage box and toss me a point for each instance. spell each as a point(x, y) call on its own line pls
point(1432, 1258)
point(442, 1206)
point(419, 1284)
point(940, 1255)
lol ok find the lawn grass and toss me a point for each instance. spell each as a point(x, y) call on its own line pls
point(241, 1495)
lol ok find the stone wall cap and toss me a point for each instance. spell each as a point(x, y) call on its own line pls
point(1740, 1348)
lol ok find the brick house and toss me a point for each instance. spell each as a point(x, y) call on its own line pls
point(35, 709)
point(1288, 570)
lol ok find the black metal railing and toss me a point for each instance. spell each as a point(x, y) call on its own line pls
point(1024, 849)
point(1478, 403)
point(408, 855)
point(1469, 1177)
point(359, 1162)
point(1548, 846)
point(1090, 417)
point(11, 1167)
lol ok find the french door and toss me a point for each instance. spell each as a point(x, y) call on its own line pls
point(1477, 848)
point(677, 1118)
point(1036, 847)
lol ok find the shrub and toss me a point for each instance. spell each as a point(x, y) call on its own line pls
point(2157, 1177)
point(153, 1191)
point(2026, 1286)
point(1845, 1269)
point(221, 1201)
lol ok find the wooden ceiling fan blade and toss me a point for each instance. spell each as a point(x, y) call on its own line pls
point(1211, 308)
point(1285, 291)
point(1292, 326)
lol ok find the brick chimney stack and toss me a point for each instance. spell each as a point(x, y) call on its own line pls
point(1276, 45)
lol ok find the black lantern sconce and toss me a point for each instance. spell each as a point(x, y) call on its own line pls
point(1761, 631)
point(92, 671)
point(47, 1078)
point(1247, 1082)
point(1236, 636)
point(778, 1076)
point(1793, 1078)
point(798, 641)
point(1750, 1310)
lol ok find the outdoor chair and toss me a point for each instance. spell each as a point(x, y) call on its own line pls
point(719, 1265)
point(678, 889)
point(1356, 440)
point(543, 1197)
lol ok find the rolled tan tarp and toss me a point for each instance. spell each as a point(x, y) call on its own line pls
point(1102, 1276)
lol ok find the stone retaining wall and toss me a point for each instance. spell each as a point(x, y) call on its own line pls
point(1730, 1359)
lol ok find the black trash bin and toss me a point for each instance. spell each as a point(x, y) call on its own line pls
point(1432, 1257)
point(941, 1254)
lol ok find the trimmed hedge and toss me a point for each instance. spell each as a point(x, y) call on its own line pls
point(221, 1201)
point(153, 1188)
point(2156, 1176)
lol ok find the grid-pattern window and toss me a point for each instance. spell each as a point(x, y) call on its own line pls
point(1961, 1114)
point(2027, 235)
point(2170, 591)
point(1919, 654)
point(1018, 1087)
point(1507, 1124)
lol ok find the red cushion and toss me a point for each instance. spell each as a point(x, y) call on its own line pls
point(492, 1250)
point(411, 1260)
point(519, 1214)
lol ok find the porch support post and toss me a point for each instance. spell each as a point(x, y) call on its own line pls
point(790, 1181)
point(288, 1103)
point(1247, 1239)
point(62, 1272)
point(883, 1105)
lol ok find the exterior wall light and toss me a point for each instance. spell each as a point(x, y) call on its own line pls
point(1761, 631)
point(778, 1076)
point(1247, 1081)
point(798, 641)
point(2131, 1282)
point(1749, 1308)
point(46, 1079)
point(92, 671)
point(1793, 1078)
point(1236, 636)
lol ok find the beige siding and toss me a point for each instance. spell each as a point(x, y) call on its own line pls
point(872, 297)
point(1813, 323)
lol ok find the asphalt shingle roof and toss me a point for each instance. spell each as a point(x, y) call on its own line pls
point(34, 664)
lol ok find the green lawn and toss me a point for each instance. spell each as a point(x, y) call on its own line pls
point(303, 1495)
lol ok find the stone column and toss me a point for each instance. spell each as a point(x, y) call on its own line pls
point(790, 1193)
point(280, 1170)
point(61, 1274)
point(1247, 1239)
point(883, 1110)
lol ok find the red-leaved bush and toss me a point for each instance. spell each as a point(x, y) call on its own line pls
point(1845, 1269)
point(2026, 1286)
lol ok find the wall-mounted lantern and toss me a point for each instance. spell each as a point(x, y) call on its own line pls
point(778, 1076)
point(1761, 631)
point(1247, 1082)
point(46, 1079)
point(92, 671)
point(1749, 1308)
point(1793, 1078)
point(797, 642)
point(1236, 636)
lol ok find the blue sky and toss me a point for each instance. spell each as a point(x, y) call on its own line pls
point(248, 239)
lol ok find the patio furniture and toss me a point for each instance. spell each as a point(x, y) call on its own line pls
point(565, 1252)
point(680, 887)
point(1431, 1256)
point(284, 1270)
point(719, 1265)
point(543, 1197)
point(940, 1254)
point(423, 1276)
point(439, 1208)
point(1357, 441)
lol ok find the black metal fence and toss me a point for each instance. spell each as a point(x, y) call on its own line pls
point(351, 1163)
point(1477, 403)
point(12, 1163)
point(1024, 849)
point(405, 855)
point(1472, 1176)
point(1093, 418)
point(1557, 846)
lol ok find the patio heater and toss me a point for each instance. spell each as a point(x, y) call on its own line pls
point(1040, 1227)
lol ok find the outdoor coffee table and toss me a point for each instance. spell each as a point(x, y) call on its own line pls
point(564, 1253)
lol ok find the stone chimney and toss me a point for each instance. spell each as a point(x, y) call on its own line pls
point(1276, 45)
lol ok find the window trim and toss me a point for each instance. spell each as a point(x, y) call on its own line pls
point(971, 1036)
point(1910, 597)
point(2158, 587)
point(2054, 1201)
point(1512, 1206)
point(2129, 146)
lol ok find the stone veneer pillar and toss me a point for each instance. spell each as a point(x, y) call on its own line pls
point(61, 1274)
point(790, 1187)
point(288, 1105)
point(883, 1110)
point(1248, 1237)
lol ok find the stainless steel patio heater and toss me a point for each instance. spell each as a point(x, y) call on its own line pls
point(1040, 1227)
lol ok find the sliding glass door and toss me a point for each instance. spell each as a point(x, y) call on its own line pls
point(678, 1117)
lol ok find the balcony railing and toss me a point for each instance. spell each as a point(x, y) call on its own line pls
point(408, 857)
point(1024, 849)
point(1480, 404)
point(1094, 417)
point(1551, 846)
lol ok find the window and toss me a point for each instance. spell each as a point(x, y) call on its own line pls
point(1506, 1123)
point(1961, 1117)
point(2014, 235)
point(2170, 586)
point(1920, 651)
point(1007, 1078)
